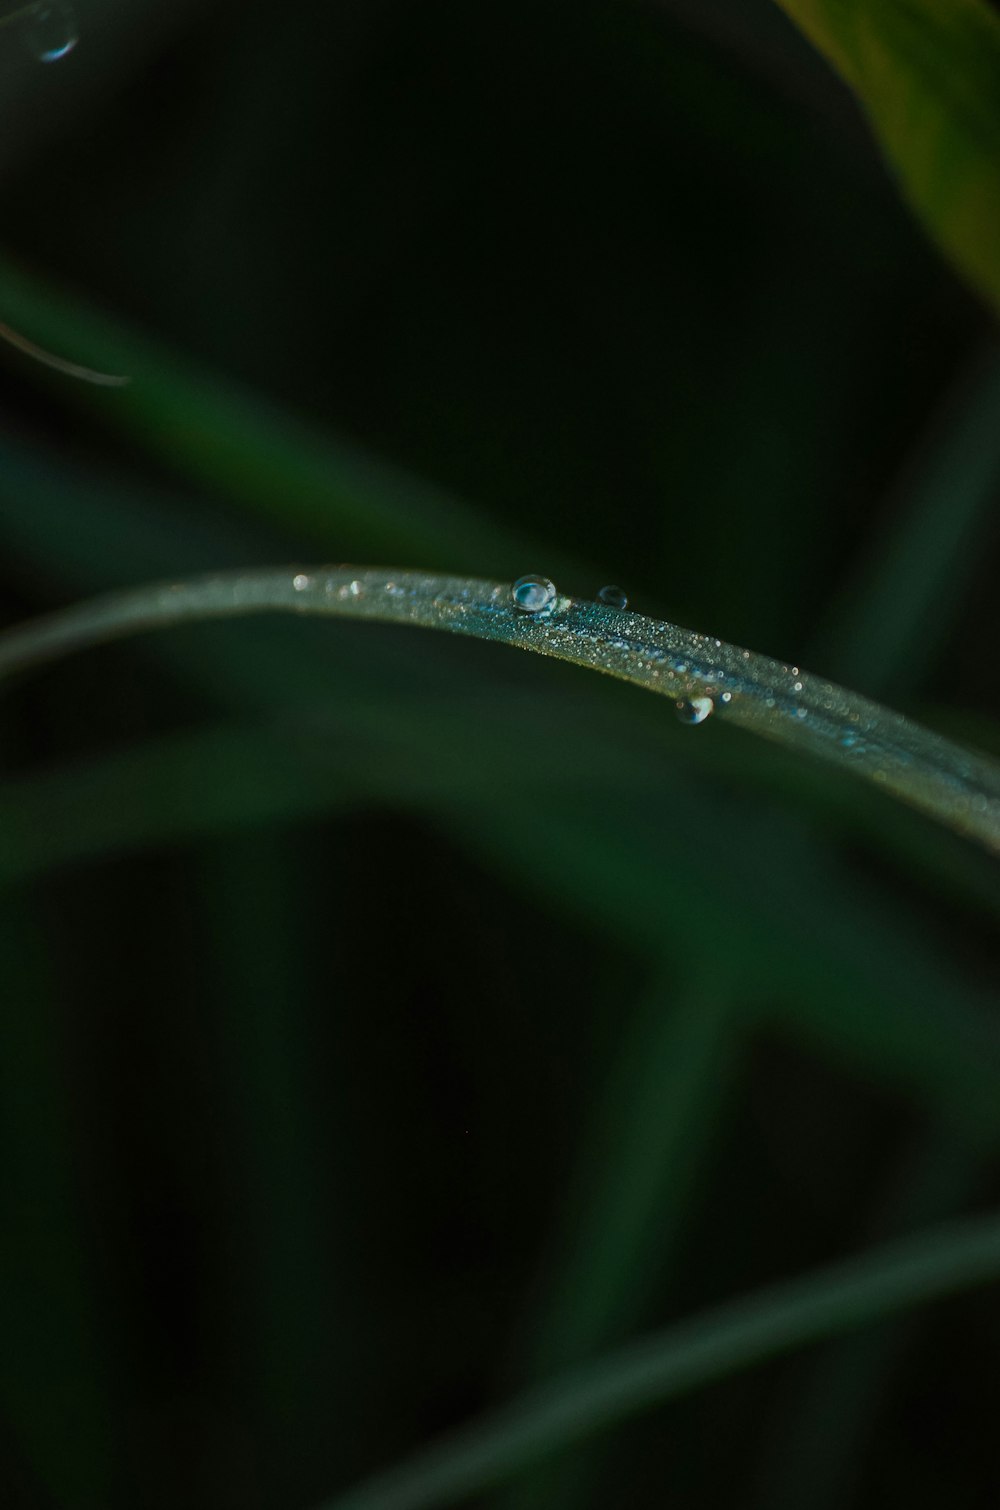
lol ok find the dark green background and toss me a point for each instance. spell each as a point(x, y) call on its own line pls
point(386, 1020)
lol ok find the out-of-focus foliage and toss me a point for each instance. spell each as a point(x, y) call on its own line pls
point(387, 1021)
point(927, 75)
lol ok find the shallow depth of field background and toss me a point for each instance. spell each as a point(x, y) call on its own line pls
point(387, 1021)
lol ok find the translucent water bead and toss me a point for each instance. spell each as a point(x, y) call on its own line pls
point(533, 593)
point(614, 597)
point(694, 710)
point(50, 31)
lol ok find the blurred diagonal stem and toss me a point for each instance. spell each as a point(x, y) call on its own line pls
point(684, 1357)
point(60, 364)
point(778, 701)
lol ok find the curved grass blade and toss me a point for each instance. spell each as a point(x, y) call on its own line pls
point(686, 1356)
point(778, 701)
point(60, 364)
point(928, 76)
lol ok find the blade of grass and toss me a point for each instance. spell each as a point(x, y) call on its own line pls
point(670, 894)
point(638, 1162)
point(133, 534)
point(687, 1356)
point(583, 632)
point(639, 1157)
point(779, 702)
point(895, 615)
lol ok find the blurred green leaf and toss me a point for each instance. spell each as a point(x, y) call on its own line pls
point(928, 75)
point(884, 632)
point(271, 462)
point(290, 1288)
point(659, 870)
point(687, 1356)
point(893, 619)
point(837, 1398)
point(56, 1374)
point(640, 1159)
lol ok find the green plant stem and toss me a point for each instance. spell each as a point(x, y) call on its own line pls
point(684, 1357)
point(778, 701)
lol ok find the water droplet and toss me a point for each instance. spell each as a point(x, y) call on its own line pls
point(694, 710)
point(50, 31)
point(356, 588)
point(533, 593)
point(614, 597)
point(300, 582)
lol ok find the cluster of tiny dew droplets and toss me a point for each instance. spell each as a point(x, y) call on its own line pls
point(533, 594)
point(337, 587)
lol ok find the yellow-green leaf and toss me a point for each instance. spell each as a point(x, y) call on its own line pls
point(928, 74)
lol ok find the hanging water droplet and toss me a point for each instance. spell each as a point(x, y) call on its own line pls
point(614, 597)
point(50, 30)
point(533, 593)
point(694, 710)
